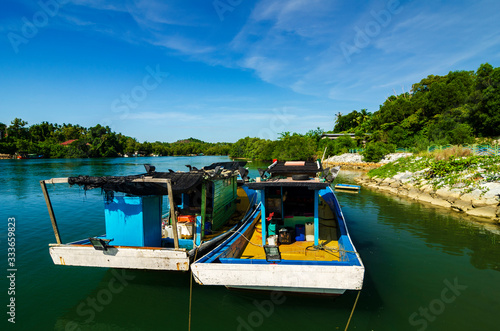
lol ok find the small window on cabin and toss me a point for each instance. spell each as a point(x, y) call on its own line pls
point(298, 202)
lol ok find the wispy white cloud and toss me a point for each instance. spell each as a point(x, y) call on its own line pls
point(183, 45)
point(155, 22)
point(417, 41)
point(296, 43)
point(169, 116)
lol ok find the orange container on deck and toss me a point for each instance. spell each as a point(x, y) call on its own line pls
point(186, 218)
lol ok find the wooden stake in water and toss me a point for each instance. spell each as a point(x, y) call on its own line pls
point(51, 211)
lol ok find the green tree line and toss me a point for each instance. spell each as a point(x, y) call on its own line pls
point(98, 141)
point(452, 109)
point(457, 108)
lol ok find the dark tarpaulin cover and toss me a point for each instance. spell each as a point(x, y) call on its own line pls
point(181, 183)
point(227, 165)
point(308, 167)
point(310, 184)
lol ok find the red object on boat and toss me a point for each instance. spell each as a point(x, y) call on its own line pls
point(186, 218)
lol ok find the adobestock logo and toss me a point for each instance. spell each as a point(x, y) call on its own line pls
point(277, 123)
point(40, 19)
point(436, 307)
point(372, 29)
point(264, 309)
point(93, 305)
point(139, 92)
point(223, 6)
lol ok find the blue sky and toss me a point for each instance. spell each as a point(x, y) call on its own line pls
point(225, 69)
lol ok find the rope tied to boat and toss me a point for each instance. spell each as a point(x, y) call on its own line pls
point(340, 251)
point(352, 311)
point(236, 231)
point(191, 290)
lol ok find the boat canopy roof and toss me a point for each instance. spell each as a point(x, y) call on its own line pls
point(295, 167)
point(311, 184)
point(291, 174)
point(182, 182)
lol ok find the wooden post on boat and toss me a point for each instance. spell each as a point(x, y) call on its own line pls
point(173, 217)
point(316, 217)
point(263, 216)
point(204, 188)
point(51, 211)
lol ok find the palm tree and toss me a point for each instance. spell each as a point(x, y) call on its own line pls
point(338, 116)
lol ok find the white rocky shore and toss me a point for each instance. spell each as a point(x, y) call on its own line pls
point(482, 202)
point(355, 160)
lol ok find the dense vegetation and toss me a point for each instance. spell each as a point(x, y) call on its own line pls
point(453, 109)
point(458, 169)
point(46, 139)
point(456, 108)
point(439, 110)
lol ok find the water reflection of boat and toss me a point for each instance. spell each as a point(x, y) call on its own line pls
point(348, 187)
point(22, 156)
point(299, 241)
point(204, 206)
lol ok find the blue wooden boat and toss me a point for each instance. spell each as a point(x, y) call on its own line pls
point(205, 207)
point(296, 241)
point(347, 187)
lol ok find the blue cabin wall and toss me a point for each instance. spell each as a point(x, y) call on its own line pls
point(133, 221)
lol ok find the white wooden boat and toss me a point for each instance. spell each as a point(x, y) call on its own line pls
point(323, 260)
point(208, 200)
point(347, 187)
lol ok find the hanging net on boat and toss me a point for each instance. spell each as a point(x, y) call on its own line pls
point(226, 165)
point(182, 182)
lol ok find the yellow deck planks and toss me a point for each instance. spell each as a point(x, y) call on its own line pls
point(294, 251)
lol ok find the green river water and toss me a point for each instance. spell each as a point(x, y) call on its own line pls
point(426, 268)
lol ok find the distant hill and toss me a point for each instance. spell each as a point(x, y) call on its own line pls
point(189, 140)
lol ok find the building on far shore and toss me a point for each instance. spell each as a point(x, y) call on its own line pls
point(334, 136)
point(68, 142)
point(337, 135)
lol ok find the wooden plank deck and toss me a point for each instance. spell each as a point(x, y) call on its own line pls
point(295, 251)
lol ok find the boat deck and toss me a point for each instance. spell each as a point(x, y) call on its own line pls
point(302, 250)
point(298, 250)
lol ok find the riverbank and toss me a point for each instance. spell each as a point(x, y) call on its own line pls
point(401, 253)
point(356, 161)
point(469, 185)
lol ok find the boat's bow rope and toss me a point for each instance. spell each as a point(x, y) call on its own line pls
point(352, 311)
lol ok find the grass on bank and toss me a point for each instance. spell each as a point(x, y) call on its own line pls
point(448, 168)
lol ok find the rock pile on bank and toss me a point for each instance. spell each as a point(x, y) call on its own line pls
point(483, 201)
point(346, 158)
point(349, 160)
point(394, 156)
point(355, 160)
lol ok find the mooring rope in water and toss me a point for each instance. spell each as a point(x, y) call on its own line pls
point(352, 311)
point(191, 291)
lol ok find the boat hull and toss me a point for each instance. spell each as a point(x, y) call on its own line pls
point(290, 278)
point(307, 291)
point(224, 267)
point(121, 257)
